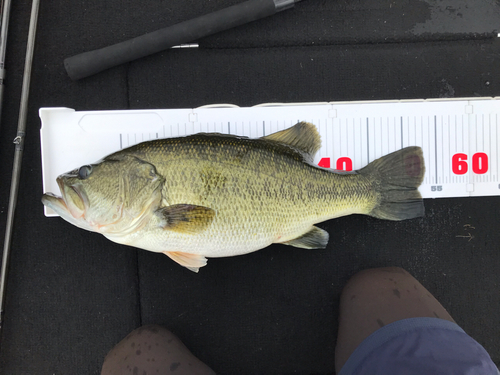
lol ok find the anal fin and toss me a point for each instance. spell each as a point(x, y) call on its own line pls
point(192, 262)
point(315, 238)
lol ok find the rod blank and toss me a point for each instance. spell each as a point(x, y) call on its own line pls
point(92, 62)
point(18, 153)
point(6, 5)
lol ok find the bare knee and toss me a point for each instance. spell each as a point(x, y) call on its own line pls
point(152, 349)
point(393, 291)
point(383, 273)
point(374, 281)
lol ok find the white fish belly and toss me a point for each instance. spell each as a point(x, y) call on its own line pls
point(213, 243)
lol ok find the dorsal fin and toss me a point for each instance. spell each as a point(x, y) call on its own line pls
point(303, 136)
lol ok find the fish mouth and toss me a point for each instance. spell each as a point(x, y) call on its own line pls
point(61, 208)
point(55, 202)
point(74, 199)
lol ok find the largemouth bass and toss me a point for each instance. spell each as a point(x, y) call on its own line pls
point(215, 195)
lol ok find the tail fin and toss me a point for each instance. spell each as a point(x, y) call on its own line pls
point(397, 177)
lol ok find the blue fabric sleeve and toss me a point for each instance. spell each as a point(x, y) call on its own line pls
point(419, 346)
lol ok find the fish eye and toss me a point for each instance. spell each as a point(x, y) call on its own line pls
point(84, 172)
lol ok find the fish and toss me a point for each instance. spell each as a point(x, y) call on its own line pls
point(211, 195)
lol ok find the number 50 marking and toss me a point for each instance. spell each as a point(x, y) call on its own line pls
point(479, 163)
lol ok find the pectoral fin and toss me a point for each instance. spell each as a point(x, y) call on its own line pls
point(316, 238)
point(185, 218)
point(192, 262)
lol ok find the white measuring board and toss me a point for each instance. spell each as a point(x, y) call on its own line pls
point(460, 138)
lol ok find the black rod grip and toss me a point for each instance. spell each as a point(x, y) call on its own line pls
point(92, 62)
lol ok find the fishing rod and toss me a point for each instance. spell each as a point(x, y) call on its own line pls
point(18, 154)
point(3, 45)
point(92, 62)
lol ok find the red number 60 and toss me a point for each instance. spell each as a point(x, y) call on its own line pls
point(479, 163)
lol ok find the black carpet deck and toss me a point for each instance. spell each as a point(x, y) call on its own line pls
point(72, 294)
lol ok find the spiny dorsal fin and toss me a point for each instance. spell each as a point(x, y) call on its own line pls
point(303, 136)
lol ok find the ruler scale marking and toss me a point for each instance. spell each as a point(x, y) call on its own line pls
point(395, 135)
point(472, 143)
point(345, 150)
point(487, 151)
point(482, 119)
point(456, 143)
point(444, 129)
point(453, 145)
point(389, 127)
point(425, 149)
point(341, 149)
point(407, 131)
point(381, 136)
point(463, 146)
point(435, 148)
point(440, 130)
point(466, 146)
point(354, 142)
point(490, 150)
point(443, 137)
point(456, 140)
point(449, 144)
point(337, 141)
point(364, 159)
point(422, 139)
point(373, 140)
point(350, 138)
point(329, 137)
point(401, 121)
point(428, 156)
point(477, 137)
point(368, 139)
